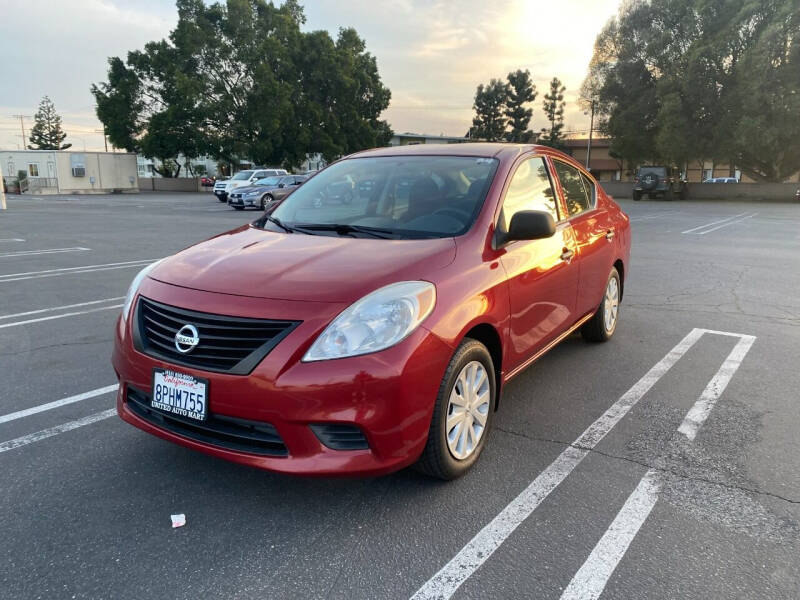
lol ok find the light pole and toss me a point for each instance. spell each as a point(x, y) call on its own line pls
point(591, 128)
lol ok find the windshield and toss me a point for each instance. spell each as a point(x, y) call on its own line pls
point(403, 196)
point(268, 181)
point(242, 175)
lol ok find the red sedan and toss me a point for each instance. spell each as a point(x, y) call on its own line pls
point(360, 338)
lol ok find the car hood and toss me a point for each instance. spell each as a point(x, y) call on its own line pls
point(293, 266)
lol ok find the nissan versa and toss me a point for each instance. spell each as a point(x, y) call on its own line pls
point(359, 338)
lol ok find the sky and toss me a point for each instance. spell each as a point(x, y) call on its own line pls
point(432, 54)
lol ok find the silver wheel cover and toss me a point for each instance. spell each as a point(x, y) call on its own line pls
point(468, 410)
point(611, 305)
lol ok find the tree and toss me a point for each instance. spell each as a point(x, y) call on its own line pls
point(241, 80)
point(489, 122)
point(520, 91)
point(683, 80)
point(47, 133)
point(553, 106)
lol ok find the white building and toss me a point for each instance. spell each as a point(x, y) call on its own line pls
point(409, 139)
point(66, 172)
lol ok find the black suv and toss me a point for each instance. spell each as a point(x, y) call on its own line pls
point(660, 181)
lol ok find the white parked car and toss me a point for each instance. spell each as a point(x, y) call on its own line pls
point(243, 178)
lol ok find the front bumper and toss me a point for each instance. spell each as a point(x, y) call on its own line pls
point(388, 395)
point(221, 194)
point(245, 202)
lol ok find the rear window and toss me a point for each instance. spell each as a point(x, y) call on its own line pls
point(660, 171)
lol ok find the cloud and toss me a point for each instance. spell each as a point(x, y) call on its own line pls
point(431, 53)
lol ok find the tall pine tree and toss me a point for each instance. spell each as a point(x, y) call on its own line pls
point(521, 91)
point(554, 111)
point(489, 122)
point(47, 133)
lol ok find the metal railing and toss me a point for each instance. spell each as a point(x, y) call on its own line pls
point(37, 184)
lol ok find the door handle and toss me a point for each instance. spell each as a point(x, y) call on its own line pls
point(610, 234)
point(567, 255)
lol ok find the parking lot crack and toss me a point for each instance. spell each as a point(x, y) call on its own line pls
point(656, 467)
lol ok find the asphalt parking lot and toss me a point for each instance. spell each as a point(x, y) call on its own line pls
point(663, 464)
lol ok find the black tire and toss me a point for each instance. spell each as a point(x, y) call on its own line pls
point(436, 459)
point(669, 194)
point(222, 199)
point(239, 207)
point(594, 330)
point(684, 195)
point(637, 196)
point(262, 205)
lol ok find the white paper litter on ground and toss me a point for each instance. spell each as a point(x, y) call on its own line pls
point(178, 520)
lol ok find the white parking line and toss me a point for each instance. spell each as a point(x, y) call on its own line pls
point(37, 252)
point(478, 550)
point(61, 316)
point(736, 222)
point(46, 433)
point(591, 579)
point(11, 240)
point(55, 308)
point(74, 270)
point(57, 403)
point(656, 216)
point(696, 230)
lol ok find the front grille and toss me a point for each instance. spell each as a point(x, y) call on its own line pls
point(230, 433)
point(340, 436)
point(232, 345)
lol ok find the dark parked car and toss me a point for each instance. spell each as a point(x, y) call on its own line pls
point(656, 180)
point(264, 191)
point(360, 339)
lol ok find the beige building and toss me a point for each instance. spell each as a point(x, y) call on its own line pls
point(606, 168)
point(603, 166)
point(66, 172)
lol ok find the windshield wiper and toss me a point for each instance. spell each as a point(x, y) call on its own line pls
point(280, 224)
point(344, 229)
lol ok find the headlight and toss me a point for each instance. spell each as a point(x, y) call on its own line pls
point(251, 194)
point(137, 281)
point(378, 321)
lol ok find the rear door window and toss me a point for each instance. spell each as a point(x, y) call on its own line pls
point(575, 193)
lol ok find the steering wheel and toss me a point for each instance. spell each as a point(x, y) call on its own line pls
point(455, 213)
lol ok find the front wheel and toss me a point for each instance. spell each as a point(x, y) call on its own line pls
point(221, 199)
point(462, 415)
point(603, 323)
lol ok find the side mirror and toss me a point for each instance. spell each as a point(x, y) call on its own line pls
point(530, 225)
point(281, 185)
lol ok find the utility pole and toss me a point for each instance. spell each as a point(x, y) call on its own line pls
point(105, 139)
point(591, 128)
point(22, 126)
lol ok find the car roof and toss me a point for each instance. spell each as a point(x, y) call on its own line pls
point(477, 149)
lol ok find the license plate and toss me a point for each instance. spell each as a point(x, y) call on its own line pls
point(180, 394)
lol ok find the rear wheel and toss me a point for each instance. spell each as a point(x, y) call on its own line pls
point(637, 196)
point(603, 323)
point(462, 414)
